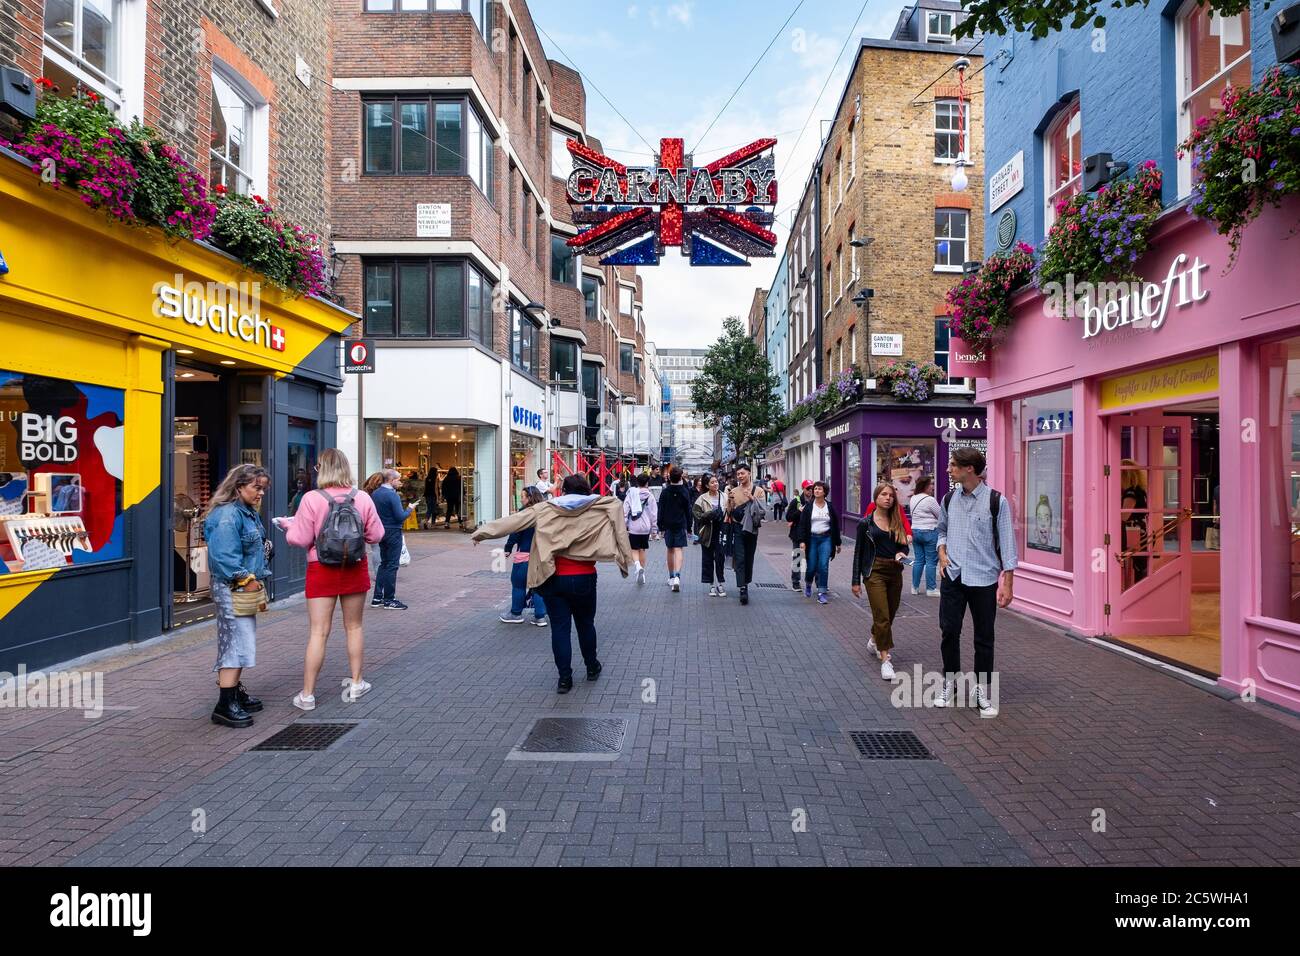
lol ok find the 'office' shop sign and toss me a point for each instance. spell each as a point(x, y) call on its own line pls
point(526, 420)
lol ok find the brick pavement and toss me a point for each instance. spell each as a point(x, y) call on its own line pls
point(749, 726)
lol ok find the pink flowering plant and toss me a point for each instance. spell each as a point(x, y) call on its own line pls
point(910, 381)
point(290, 257)
point(1099, 237)
point(136, 177)
point(1247, 156)
point(981, 303)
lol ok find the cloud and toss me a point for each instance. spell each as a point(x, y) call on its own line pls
point(632, 11)
point(681, 12)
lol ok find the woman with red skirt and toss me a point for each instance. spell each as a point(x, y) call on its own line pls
point(328, 585)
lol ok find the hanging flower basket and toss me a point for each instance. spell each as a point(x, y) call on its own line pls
point(1099, 238)
point(1247, 156)
point(981, 303)
point(910, 381)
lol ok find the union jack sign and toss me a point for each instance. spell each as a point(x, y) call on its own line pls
point(713, 213)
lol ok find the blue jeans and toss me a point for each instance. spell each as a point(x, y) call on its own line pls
point(519, 591)
point(572, 602)
point(819, 561)
point(926, 556)
point(390, 553)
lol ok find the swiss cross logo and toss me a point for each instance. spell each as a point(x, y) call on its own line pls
point(277, 338)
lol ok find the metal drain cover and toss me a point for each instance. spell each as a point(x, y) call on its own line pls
point(890, 745)
point(306, 736)
point(774, 587)
point(576, 735)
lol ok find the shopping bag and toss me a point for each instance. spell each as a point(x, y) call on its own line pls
point(405, 559)
point(1212, 538)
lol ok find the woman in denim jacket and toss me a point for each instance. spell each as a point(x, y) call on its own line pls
point(237, 560)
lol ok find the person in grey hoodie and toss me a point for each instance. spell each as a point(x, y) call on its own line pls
point(641, 512)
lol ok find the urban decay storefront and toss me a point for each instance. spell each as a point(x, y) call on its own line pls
point(136, 371)
point(881, 440)
point(1150, 449)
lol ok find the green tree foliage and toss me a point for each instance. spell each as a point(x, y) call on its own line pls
point(737, 390)
point(1041, 17)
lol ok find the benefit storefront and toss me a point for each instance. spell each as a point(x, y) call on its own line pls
point(1151, 452)
point(136, 372)
point(882, 440)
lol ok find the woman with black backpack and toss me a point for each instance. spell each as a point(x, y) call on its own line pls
point(335, 523)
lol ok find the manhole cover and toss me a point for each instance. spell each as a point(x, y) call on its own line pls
point(305, 736)
point(890, 745)
point(773, 587)
point(576, 735)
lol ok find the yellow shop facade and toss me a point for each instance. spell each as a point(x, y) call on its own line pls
point(136, 370)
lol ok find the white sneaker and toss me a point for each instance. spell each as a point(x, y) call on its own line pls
point(871, 646)
point(934, 593)
point(713, 591)
point(304, 703)
point(721, 591)
point(914, 591)
point(887, 671)
point(354, 691)
point(984, 704)
point(675, 584)
point(640, 574)
point(944, 697)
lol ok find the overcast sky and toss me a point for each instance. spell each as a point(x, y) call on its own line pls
point(669, 67)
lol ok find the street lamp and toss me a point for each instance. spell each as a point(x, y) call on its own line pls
point(863, 301)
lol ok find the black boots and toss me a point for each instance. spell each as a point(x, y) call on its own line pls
point(744, 595)
point(246, 700)
point(229, 711)
point(594, 672)
point(564, 686)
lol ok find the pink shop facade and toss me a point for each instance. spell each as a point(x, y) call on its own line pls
point(1151, 453)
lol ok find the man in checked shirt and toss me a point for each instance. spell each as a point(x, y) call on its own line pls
point(977, 562)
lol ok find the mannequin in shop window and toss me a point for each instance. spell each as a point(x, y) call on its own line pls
point(1133, 481)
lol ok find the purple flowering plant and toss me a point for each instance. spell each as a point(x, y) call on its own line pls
point(1100, 237)
point(910, 381)
point(1247, 156)
point(981, 303)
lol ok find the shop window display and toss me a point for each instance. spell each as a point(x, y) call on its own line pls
point(1279, 492)
point(61, 466)
point(1042, 428)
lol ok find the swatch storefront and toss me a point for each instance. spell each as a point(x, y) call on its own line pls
point(1150, 450)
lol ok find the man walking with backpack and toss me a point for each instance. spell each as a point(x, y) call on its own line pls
point(977, 562)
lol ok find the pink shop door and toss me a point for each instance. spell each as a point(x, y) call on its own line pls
point(1148, 507)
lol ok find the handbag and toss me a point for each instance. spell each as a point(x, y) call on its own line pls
point(248, 603)
point(405, 559)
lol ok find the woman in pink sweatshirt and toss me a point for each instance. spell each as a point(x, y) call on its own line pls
point(326, 584)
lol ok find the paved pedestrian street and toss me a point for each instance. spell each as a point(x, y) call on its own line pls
point(737, 751)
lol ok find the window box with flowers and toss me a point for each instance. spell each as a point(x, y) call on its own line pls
point(981, 303)
point(1247, 156)
point(134, 176)
point(910, 381)
point(1099, 237)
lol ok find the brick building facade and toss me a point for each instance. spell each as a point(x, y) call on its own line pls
point(448, 166)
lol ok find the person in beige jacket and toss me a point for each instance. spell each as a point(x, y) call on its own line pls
point(572, 533)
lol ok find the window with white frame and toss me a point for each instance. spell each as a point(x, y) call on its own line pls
point(839, 172)
point(1063, 162)
point(853, 344)
point(942, 352)
point(853, 150)
point(235, 149)
point(561, 158)
point(83, 46)
point(950, 231)
point(938, 27)
point(625, 300)
point(1213, 54)
point(480, 155)
point(950, 118)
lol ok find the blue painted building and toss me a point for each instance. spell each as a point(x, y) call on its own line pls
point(1132, 89)
point(777, 326)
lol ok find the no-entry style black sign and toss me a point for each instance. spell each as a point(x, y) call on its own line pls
point(359, 356)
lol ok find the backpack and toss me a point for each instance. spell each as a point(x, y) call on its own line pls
point(342, 538)
point(995, 505)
